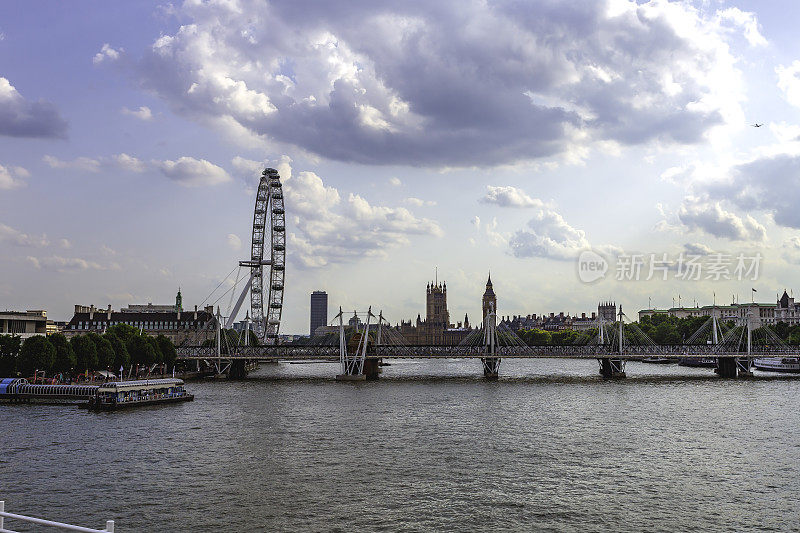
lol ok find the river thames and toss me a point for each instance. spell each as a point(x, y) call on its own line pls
point(432, 446)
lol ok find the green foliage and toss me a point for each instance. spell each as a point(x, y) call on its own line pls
point(9, 350)
point(141, 352)
point(36, 354)
point(105, 351)
point(159, 356)
point(65, 357)
point(167, 350)
point(121, 356)
point(85, 353)
point(123, 331)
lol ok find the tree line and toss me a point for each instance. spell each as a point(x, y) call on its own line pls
point(120, 346)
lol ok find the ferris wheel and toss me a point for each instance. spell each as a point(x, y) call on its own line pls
point(267, 261)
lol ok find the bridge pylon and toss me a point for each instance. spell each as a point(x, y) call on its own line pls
point(354, 358)
point(491, 363)
point(612, 367)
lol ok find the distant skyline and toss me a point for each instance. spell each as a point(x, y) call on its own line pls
point(464, 136)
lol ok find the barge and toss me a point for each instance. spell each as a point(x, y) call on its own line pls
point(123, 394)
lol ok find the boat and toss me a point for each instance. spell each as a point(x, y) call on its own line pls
point(657, 360)
point(707, 362)
point(122, 394)
point(778, 364)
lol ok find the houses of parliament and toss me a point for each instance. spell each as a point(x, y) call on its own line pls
point(436, 328)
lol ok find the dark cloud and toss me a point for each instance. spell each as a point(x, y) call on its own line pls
point(22, 118)
point(446, 83)
point(770, 184)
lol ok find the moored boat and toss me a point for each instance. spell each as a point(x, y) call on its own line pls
point(708, 362)
point(122, 394)
point(777, 364)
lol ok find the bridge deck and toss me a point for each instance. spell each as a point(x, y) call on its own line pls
point(331, 353)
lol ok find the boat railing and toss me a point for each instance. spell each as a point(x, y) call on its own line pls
point(43, 522)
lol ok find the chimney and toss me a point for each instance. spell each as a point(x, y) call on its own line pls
point(91, 312)
point(195, 312)
point(108, 313)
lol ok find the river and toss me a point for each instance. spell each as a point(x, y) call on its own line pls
point(431, 446)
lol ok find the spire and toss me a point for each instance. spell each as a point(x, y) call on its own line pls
point(489, 281)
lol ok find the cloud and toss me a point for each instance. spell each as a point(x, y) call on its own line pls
point(12, 177)
point(64, 264)
point(790, 250)
point(81, 163)
point(143, 113)
point(328, 227)
point(509, 197)
point(548, 235)
point(709, 217)
point(234, 241)
point(191, 172)
point(106, 53)
point(128, 162)
point(454, 83)
point(770, 183)
point(789, 82)
point(65, 244)
point(16, 237)
point(697, 248)
point(395, 182)
point(21, 118)
point(418, 202)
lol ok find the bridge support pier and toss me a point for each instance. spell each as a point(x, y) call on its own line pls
point(238, 369)
point(491, 367)
point(372, 368)
point(731, 367)
point(612, 368)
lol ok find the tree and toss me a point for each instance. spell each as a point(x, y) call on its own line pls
point(141, 351)
point(9, 350)
point(36, 354)
point(159, 357)
point(65, 356)
point(123, 331)
point(121, 356)
point(85, 353)
point(167, 349)
point(105, 351)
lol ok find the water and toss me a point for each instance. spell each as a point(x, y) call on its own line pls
point(430, 446)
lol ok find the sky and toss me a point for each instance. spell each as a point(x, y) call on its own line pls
point(536, 140)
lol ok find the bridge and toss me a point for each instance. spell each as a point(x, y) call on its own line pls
point(361, 352)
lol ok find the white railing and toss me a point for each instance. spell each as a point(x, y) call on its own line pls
point(40, 521)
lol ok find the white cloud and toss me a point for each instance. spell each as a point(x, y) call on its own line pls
point(709, 217)
point(509, 197)
point(418, 202)
point(191, 172)
point(549, 235)
point(12, 177)
point(64, 264)
point(106, 53)
point(81, 163)
point(327, 228)
point(345, 83)
point(395, 182)
point(143, 113)
point(128, 162)
point(234, 241)
point(789, 82)
point(14, 236)
point(65, 244)
point(697, 248)
point(22, 118)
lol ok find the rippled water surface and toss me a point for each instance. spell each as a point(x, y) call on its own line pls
point(430, 446)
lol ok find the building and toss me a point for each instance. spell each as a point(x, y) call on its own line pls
point(319, 310)
point(193, 327)
point(787, 310)
point(760, 314)
point(151, 308)
point(436, 328)
point(23, 324)
point(489, 300)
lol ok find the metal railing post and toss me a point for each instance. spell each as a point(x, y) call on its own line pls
point(2, 510)
point(110, 526)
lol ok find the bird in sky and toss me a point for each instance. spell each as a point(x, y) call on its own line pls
point(757, 125)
